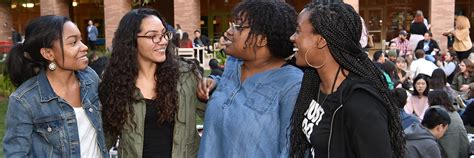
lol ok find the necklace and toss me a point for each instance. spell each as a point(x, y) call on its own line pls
point(332, 88)
point(319, 94)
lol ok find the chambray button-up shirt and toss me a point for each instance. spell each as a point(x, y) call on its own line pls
point(250, 119)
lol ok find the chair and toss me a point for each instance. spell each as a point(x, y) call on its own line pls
point(187, 53)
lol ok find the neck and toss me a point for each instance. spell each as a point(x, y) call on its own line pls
point(260, 65)
point(327, 75)
point(61, 77)
point(147, 70)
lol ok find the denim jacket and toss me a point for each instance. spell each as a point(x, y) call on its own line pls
point(41, 124)
point(250, 119)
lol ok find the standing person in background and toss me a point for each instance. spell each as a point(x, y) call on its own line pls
point(201, 40)
point(248, 114)
point(417, 31)
point(462, 41)
point(342, 92)
point(454, 143)
point(148, 95)
point(92, 34)
point(55, 111)
point(185, 42)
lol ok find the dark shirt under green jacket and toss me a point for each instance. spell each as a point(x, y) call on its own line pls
point(185, 136)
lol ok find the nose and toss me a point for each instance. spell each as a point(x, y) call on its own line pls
point(292, 37)
point(84, 47)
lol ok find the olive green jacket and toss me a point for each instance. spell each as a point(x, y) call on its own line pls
point(185, 136)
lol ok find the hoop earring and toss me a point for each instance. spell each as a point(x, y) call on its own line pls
point(52, 66)
point(316, 67)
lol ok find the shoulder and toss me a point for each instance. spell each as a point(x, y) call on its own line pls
point(27, 87)
point(88, 75)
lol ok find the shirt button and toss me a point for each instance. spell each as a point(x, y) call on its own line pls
point(50, 129)
point(91, 110)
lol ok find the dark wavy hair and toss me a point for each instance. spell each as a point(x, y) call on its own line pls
point(427, 80)
point(274, 20)
point(25, 58)
point(341, 26)
point(117, 91)
point(441, 98)
point(438, 79)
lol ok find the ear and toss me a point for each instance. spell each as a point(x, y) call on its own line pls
point(47, 53)
point(261, 41)
point(321, 42)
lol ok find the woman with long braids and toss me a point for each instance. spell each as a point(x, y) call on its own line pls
point(248, 114)
point(148, 95)
point(343, 108)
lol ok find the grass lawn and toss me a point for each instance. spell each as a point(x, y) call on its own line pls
point(3, 111)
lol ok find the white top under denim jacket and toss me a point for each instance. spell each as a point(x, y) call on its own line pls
point(41, 124)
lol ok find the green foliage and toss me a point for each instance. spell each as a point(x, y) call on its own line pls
point(142, 2)
point(6, 86)
point(221, 57)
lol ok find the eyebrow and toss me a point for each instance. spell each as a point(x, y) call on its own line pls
point(75, 36)
point(154, 31)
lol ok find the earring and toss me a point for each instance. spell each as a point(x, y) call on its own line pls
point(316, 67)
point(52, 66)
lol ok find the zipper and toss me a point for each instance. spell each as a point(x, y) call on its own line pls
point(330, 131)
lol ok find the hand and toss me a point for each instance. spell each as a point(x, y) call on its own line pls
point(439, 63)
point(204, 87)
point(464, 88)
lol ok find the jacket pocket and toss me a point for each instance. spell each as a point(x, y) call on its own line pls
point(261, 98)
point(52, 130)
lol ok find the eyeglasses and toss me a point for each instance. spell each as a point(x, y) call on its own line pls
point(236, 27)
point(158, 37)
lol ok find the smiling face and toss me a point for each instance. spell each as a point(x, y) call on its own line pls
point(237, 34)
point(149, 51)
point(306, 40)
point(75, 52)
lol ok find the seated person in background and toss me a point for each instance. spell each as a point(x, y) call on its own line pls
point(378, 58)
point(421, 65)
point(185, 42)
point(400, 97)
point(392, 56)
point(98, 64)
point(201, 40)
point(428, 45)
point(421, 138)
point(216, 70)
point(402, 44)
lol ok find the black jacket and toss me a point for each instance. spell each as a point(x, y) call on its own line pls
point(359, 126)
point(433, 44)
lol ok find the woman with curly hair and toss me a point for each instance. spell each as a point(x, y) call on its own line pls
point(148, 95)
point(344, 108)
point(248, 114)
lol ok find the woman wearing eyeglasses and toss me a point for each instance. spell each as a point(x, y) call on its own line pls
point(148, 95)
point(248, 114)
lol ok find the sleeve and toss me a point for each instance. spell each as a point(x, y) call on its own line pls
point(449, 69)
point(19, 127)
point(409, 106)
point(455, 83)
point(435, 44)
point(367, 122)
point(460, 34)
point(287, 104)
point(433, 151)
point(419, 45)
point(468, 115)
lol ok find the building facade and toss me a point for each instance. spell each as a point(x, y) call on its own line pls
point(384, 18)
